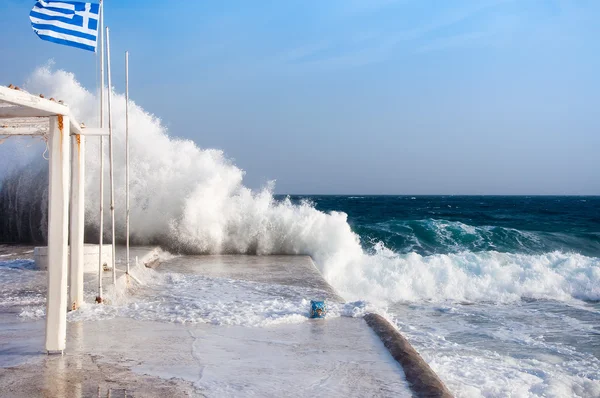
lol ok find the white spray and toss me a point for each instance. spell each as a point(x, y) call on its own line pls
point(193, 200)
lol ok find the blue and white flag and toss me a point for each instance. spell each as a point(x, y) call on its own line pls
point(70, 23)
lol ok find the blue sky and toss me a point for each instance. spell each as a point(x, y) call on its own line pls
point(352, 96)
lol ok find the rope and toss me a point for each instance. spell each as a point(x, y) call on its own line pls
point(43, 137)
point(46, 150)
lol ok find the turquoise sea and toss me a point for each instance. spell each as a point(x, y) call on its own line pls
point(502, 293)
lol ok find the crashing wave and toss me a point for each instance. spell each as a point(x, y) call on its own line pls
point(193, 200)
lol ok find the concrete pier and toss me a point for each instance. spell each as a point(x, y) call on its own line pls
point(336, 356)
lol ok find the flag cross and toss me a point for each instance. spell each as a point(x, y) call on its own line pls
point(86, 14)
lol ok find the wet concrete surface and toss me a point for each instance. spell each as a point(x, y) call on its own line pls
point(336, 357)
point(281, 270)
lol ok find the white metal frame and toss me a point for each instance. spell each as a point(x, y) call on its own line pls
point(22, 113)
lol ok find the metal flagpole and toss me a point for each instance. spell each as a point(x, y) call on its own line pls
point(100, 267)
point(110, 150)
point(127, 153)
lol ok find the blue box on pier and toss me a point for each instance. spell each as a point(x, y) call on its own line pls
point(317, 309)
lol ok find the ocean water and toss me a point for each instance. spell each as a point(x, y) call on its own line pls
point(449, 224)
point(503, 293)
point(499, 294)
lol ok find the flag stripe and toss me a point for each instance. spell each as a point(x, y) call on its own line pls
point(58, 29)
point(85, 29)
point(80, 40)
point(73, 20)
point(52, 10)
point(57, 4)
point(68, 42)
point(69, 6)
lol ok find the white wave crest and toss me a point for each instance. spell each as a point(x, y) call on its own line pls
point(193, 200)
point(482, 276)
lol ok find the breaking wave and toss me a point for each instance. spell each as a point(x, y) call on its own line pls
point(439, 236)
point(193, 200)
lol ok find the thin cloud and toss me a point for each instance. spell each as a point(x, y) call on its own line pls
point(368, 46)
point(457, 41)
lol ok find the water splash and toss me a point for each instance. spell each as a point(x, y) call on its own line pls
point(193, 200)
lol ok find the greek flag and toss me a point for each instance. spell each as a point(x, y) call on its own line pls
point(70, 23)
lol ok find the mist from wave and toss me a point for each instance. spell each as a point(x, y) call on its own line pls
point(192, 200)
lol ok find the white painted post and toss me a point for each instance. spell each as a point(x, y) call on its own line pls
point(111, 159)
point(101, 243)
point(58, 230)
point(127, 156)
point(77, 221)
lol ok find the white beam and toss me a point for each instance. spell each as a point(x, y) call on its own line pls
point(24, 126)
point(94, 131)
point(22, 98)
point(23, 130)
point(75, 127)
point(38, 104)
point(77, 221)
point(58, 208)
point(9, 112)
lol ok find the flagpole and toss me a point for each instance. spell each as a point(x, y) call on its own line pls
point(127, 152)
point(101, 243)
point(111, 158)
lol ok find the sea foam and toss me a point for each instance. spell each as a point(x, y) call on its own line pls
point(193, 200)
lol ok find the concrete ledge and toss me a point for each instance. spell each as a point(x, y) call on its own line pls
point(421, 378)
point(145, 257)
point(90, 257)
